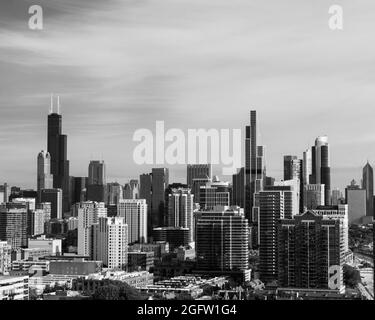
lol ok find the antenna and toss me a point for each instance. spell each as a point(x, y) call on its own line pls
point(58, 104)
point(51, 105)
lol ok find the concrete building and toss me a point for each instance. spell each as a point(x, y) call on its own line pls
point(5, 257)
point(222, 240)
point(180, 210)
point(14, 288)
point(309, 252)
point(110, 242)
point(54, 246)
point(134, 211)
point(13, 224)
point(215, 193)
point(55, 198)
point(356, 200)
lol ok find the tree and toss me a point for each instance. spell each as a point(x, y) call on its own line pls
point(351, 276)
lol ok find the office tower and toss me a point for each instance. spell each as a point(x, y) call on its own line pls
point(57, 148)
point(88, 214)
point(96, 184)
point(314, 195)
point(238, 188)
point(214, 194)
point(368, 185)
point(309, 252)
point(293, 170)
point(55, 198)
point(30, 202)
point(134, 211)
point(356, 200)
point(110, 242)
point(198, 171)
point(145, 192)
point(44, 176)
point(160, 182)
point(77, 185)
point(35, 222)
point(5, 258)
point(321, 171)
point(114, 193)
point(197, 184)
point(222, 237)
point(336, 197)
point(180, 210)
point(4, 193)
point(46, 207)
point(339, 212)
point(131, 190)
point(307, 167)
point(13, 224)
point(254, 166)
point(175, 236)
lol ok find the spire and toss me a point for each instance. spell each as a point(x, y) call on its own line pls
point(51, 105)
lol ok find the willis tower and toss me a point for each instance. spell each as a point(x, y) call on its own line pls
point(57, 148)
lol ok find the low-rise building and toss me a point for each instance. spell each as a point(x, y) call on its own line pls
point(14, 288)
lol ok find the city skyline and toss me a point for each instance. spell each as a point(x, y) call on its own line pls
point(284, 79)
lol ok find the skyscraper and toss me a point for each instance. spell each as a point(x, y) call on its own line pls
point(114, 193)
point(96, 184)
point(54, 197)
point(135, 213)
point(309, 252)
point(356, 200)
point(254, 166)
point(238, 188)
point(321, 171)
point(180, 210)
point(198, 171)
point(222, 237)
point(77, 185)
point(13, 224)
point(160, 182)
point(44, 176)
point(368, 185)
point(145, 192)
point(110, 242)
point(57, 148)
point(216, 193)
point(314, 196)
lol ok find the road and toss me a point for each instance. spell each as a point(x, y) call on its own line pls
point(367, 276)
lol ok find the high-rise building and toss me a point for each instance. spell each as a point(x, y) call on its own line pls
point(134, 211)
point(356, 200)
point(145, 192)
point(314, 196)
point(255, 172)
point(110, 242)
point(44, 176)
point(160, 182)
point(55, 198)
point(321, 171)
point(35, 222)
point(131, 190)
point(309, 252)
point(77, 185)
point(114, 193)
point(238, 188)
point(222, 237)
point(339, 212)
point(88, 214)
point(216, 193)
point(293, 170)
point(13, 224)
point(337, 197)
point(175, 236)
point(46, 207)
point(180, 210)
point(96, 183)
point(368, 185)
point(57, 148)
point(198, 171)
point(4, 193)
point(306, 167)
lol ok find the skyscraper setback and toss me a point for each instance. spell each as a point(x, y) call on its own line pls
point(254, 166)
point(57, 148)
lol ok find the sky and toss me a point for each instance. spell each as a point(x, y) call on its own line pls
point(121, 65)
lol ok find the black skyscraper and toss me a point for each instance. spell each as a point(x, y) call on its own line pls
point(57, 148)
